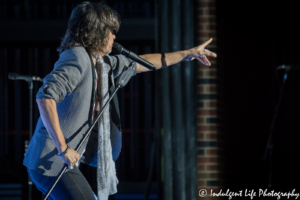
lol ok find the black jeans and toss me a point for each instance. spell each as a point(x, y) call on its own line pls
point(72, 185)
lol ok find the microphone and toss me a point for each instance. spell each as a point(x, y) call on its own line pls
point(285, 67)
point(15, 76)
point(121, 50)
point(289, 67)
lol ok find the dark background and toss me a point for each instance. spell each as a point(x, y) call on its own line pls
point(253, 39)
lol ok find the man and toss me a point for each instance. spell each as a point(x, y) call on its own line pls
point(73, 92)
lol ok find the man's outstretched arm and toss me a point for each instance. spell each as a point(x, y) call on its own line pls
point(199, 53)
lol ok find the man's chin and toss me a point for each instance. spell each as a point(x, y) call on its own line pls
point(109, 52)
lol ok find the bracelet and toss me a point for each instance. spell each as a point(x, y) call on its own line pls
point(66, 151)
point(163, 60)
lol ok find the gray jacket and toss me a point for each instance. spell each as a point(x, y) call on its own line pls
point(70, 84)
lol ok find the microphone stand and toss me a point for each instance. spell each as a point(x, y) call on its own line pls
point(121, 82)
point(30, 84)
point(269, 146)
point(29, 80)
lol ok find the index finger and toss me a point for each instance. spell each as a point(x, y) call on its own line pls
point(207, 42)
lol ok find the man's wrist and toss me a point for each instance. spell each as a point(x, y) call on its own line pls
point(64, 152)
point(163, 60)
point(188, 52)
point(62, 148)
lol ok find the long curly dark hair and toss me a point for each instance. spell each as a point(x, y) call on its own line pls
point(89, 26)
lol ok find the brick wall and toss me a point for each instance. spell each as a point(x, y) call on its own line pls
point(207, 127)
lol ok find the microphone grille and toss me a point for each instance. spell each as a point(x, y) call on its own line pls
point(12, 76)
point(117, 47)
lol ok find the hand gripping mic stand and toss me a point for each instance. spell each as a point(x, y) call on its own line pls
point(121, 82)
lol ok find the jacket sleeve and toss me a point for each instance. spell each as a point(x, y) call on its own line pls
point(118, 63)
point(66, 75)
